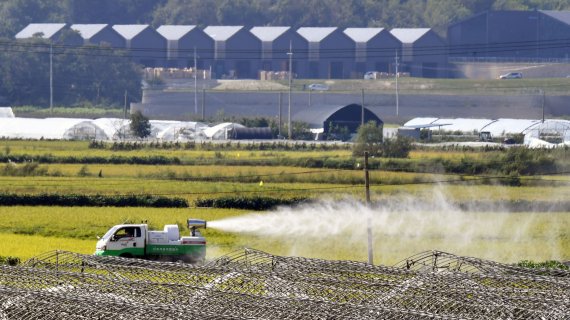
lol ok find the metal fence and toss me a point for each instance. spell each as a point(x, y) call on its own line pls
point(251, 284)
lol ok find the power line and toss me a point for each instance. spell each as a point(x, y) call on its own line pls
point(300, 54)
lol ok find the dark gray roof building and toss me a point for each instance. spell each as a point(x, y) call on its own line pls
point(424, 53)
point(275, 45)
point(236, 51)
point(330, 52)
point(55, 32)
point(182, 40)
point(145, 45)
point(99, 34)
point(513, 35)
point(374, 49)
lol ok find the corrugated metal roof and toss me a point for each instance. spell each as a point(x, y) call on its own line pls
point(171, 32)
point(222, 33)
point(362, 34)
point(563, 16)
point(315, 34)
point(268, 33)
point(129, 31)
point(47, 29)
point(87, 31)
point(409, 35)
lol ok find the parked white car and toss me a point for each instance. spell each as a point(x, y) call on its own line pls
point(370, 75)
point(511, 75)
point(318, 87)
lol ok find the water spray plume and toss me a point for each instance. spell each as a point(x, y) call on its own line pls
point(401, 228)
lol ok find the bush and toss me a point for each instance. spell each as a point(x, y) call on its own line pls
point(80, 200)
point(247, 203)
point(11, 261)
point(550, 264)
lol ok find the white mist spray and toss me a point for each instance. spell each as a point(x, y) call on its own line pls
point(401, 228)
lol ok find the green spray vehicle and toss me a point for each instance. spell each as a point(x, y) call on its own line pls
point(137, 241)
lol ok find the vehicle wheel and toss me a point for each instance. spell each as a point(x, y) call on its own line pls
point(126, 255)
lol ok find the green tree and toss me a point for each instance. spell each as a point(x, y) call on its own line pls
point(140, 125)
point(93, 75)
point(368, 138)
point(197, 12)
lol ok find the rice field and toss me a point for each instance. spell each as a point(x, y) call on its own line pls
point(29, 231)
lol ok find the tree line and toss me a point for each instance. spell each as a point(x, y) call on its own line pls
point(83, 76)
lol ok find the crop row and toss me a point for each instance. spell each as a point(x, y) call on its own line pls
point(83, 200)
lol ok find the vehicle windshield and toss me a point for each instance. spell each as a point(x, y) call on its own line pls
point(110, 232)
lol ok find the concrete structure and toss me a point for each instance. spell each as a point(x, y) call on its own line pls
point(145, 45)
point(424, 53)
point(375, 49)
point(182, 42)
point(99, 35)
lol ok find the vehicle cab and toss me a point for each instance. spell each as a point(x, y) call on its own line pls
point(124, 240)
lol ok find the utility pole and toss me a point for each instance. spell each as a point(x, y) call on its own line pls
point(51, 78)
point(362, 110)
point(397, 89)
point(368, 218)
point(290, 54)
point(280, 120)
point(125, 107)
point(543, 98)
point(203, 104)
point(195, 83)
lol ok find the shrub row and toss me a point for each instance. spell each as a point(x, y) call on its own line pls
point(48, 158)
point(11, 261)
point(222, 146)
point(550, 264)
point(515, 161)
point(516, 206)
point(247, 203)
point(80, 200)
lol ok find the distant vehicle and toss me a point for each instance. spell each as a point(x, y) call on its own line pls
point(370, 75)
point(318, 87)
point(511, 75)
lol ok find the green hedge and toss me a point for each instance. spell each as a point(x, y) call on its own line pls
point(247, 203)
point(11, 261)
point(80, 200)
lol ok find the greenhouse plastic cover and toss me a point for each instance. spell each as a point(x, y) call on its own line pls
point(106, 129)
point(497, 127)
point(26, 128)
point(6, 112)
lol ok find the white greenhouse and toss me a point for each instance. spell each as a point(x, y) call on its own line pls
point(538, 133)
point(111, 129)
